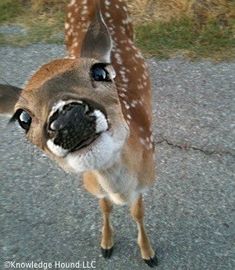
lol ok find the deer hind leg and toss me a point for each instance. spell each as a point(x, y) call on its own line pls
point(147, 253)
point(107, 232)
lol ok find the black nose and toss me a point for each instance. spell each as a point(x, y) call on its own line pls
point(73, 126)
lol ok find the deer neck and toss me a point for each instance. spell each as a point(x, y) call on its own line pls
point(118, 183)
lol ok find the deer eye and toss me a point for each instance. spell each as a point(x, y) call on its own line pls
point(24, 119)
point(99, 73)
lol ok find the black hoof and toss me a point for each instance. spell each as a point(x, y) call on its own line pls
point(152, 262)
point(107, 253)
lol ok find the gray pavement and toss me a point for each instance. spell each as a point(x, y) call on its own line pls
point(47, 216)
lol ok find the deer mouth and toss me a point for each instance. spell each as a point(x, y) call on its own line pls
point(85, 143)
point(81, 148)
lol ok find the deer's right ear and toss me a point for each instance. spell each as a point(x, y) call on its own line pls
point(9, 95)
point(97, 42)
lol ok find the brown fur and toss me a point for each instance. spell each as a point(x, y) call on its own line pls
point(127, 101)
point(138, 88)
point(107, 234)
point(137, 212)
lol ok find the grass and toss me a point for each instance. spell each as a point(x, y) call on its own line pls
point(10, 9)
point(187, 38)
point(163, 29)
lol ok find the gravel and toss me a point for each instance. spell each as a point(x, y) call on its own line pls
point(11, 30)
point(47, 216)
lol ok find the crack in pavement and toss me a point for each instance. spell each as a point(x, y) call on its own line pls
point(187, 147)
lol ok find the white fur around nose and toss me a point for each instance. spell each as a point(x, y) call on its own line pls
point(58, 106)
point(56, 149)
point(101, 121)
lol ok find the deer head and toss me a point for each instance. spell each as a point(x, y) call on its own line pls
point(70, 107)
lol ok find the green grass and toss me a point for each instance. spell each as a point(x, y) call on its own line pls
point(41, 26)
point(44, 29)
point(187, 38)
point(184, 36)
point(10, 9)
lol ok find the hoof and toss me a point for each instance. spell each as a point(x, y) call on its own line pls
point(152, 261)
point(107, 253)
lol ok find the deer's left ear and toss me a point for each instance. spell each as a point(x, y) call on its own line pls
point(97, 43)
point(9, 95)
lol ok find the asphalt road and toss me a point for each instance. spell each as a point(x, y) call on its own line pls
point(47, 216)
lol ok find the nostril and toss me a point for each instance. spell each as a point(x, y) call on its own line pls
point(54, 126)
point(51, 130)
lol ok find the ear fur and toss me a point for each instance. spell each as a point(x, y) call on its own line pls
point(9, 95)
point(97, 42)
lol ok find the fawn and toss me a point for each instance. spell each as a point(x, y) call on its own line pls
point(91, 112)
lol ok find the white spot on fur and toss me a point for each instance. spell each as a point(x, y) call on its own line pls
point(107, 3)
point(67, 26)
point(72, 3)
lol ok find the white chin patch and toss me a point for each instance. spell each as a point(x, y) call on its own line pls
point(101, 155)
point(56, 149)
point(101, 121)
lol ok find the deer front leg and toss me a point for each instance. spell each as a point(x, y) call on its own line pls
point(107, 234)
point(147, 253)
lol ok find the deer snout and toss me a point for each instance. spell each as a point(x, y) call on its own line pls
point(76, 125)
